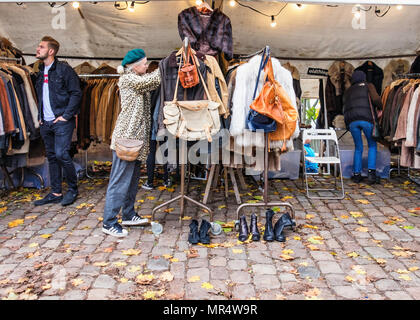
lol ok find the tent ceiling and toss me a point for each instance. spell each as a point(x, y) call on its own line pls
point(316, 31)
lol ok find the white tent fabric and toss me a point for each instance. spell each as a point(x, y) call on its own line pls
point(313, 32)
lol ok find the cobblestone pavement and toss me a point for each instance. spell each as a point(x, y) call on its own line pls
point(366, 246)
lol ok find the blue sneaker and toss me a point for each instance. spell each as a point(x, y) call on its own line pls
point(115, 230)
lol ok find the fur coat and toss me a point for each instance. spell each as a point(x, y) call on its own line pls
point(218, 33)
point(335, 75)
point(393, 68)
point(246, 76)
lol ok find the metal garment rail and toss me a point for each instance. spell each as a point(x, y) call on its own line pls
point(94, 76)
point(266, 203)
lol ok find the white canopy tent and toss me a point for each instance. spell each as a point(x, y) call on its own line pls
point(314, 34)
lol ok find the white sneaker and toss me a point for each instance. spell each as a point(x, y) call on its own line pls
point(135, 221)
point(116, 231)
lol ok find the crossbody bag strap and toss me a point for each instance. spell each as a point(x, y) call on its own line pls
point(177, 82)
point(264, 59)
point(202, 80)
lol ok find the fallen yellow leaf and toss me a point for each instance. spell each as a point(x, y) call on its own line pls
point(45, 236)
point(29, 217)
point(312, 247)
point(405, 277)
point(362, 229)
point(77, 282)
point(167, 256)
point(402, 271)
point(286, 257)
point(297, 238)
point(356, 214)
point(161, 188)
point(309, 216)
point(174, 260)
point(344, 216)
point(145, 278)
point(207, 285)
point(362, 201)
point(100, 264)
point(349, 279)
point(288, 251)
point(131, 252)
point(353, 254)
point(310, 226)
point(153, 294)
point(237, 250)
point(119, 264)
point(16, 223)
point(123, 280)
point(368, 193)
point(33, 244)
point(150, 198)
point(380, 261)
point(194, 279)
point(186, 218)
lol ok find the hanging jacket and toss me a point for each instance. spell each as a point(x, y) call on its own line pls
point(393, 69)
point(246, 78)
point(374, 74)
point(415, 66)
point(217, 34)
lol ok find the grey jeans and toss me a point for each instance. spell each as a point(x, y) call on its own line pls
point(122, 190)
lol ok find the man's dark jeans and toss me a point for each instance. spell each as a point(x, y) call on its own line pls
point(57, 140)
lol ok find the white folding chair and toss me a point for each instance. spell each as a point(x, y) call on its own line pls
point(323, 135)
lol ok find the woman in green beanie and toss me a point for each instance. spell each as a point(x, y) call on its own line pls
point(134, 122)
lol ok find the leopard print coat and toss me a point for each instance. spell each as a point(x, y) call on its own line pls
point(134, 120)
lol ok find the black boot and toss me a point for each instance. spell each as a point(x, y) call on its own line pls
point(243, 229)
point(193, 236)
point(357, 177)
point(371, 176)
point(254, 228)
point(204, 232)
point(278, 231)
point(284, 221)
point(269, 232)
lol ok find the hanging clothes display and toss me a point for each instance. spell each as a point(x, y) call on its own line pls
point(394, 68)
point(84, 68)
point(415, 66)
point(296, 81)
point(374, 74)
point(99, 110)
point(246, 76)
point(208, 31)
point(8, 50)
point(400, 119)
point(18, 110)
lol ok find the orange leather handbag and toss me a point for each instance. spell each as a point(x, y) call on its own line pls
point(188, 75)
point(274, 102)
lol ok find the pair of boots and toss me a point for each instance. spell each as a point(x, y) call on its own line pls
point(372, 178)
point(243, 229)
point(199, 235)
point(276, 233)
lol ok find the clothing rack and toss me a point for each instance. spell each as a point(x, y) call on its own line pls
point(156, 227)
point(266, 203)
point(408, 75)
point(6, 173)
point(111, 75)
point(18, 60)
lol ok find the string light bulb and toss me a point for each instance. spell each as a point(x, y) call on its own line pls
point(198, 2)
point(399, 7)
point(273, 22)
point(131, 7)
point(232, 3)
point(76, 5)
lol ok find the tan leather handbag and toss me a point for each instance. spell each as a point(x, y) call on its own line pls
point(128, 149)
point(188, 75)
point(192, 120)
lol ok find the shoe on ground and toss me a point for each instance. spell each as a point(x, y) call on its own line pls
point(372, 178)
point(49, 198)
point(148, 186)
point(357, 177)
point(136, 220)
point(115, 231)
point(168, 183)
point(69, 198)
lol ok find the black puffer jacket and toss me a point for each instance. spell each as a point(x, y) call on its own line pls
point(356, 102)
point(64, 88)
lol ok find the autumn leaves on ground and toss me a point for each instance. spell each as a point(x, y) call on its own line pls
point(366, 246)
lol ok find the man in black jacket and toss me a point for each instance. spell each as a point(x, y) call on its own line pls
point(59, 95)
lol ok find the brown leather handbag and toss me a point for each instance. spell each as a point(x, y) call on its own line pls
point(274, 102)
point(188, 74)
point(128, 149)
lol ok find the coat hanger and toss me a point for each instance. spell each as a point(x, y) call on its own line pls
point(204, 8)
